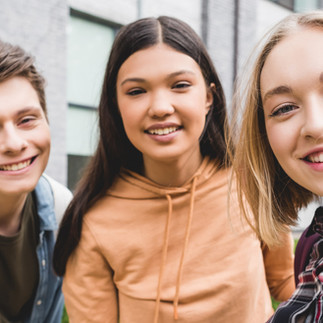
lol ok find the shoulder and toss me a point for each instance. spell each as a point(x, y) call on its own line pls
point(303, 251)
point(62, 196)
point(62, 191)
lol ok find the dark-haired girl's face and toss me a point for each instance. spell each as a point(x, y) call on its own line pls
point(163, 101)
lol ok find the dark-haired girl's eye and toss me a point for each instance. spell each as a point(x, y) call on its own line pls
point(134, 92)
point(181, 85)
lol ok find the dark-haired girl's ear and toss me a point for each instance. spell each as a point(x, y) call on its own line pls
point(212, 86)
point(209, 96)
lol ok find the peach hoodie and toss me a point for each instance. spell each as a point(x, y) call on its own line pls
point(150, 253)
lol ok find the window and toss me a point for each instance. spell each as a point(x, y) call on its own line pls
point(88, 47)
point(289, 4)
point(300, 5)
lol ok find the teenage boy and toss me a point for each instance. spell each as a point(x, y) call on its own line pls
point(29, 289)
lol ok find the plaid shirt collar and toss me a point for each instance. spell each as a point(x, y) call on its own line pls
point(306, 304)
point(317, 223)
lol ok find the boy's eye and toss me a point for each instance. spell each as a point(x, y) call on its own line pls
point(134, 92)
point(283, 110)
point(26, 120)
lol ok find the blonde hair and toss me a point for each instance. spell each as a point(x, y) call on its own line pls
point(263, 187)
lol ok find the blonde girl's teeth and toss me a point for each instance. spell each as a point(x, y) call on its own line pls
point(316, 159)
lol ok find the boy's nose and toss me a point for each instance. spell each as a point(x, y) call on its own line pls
point(11, 140)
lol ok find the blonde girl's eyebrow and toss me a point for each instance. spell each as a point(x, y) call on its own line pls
point(283, 89)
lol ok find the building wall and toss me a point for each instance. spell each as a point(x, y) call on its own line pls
point(268, 14)
point(229, 28)
point(40, 27)
point(231, 32)
point(219, 18)
point(123, 12)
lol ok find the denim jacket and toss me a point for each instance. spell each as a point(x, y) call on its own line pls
point(48, 303)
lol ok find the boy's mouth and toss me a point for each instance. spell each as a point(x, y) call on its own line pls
point(17, 166)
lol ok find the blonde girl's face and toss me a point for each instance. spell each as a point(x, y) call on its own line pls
point(292, 95)
point(163, 100)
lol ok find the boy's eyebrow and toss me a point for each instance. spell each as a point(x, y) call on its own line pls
point(141, 80)
point(28, 109)
point(282, 89)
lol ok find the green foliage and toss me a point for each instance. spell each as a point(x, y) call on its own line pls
point(64, 317)
point(295, 243)
point(273, 301)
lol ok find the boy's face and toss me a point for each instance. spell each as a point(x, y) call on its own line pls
point(24, 137)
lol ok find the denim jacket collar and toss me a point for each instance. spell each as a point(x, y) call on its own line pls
point(45, 206)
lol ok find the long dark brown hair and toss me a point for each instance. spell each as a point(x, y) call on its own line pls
point(114, 148)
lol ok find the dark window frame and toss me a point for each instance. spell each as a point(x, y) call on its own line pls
point(73, 172)
point(282, 4)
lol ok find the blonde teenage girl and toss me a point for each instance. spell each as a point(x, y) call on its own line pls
point(279, 159)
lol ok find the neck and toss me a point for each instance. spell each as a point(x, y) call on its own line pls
point(10, 214)
point(172, 173)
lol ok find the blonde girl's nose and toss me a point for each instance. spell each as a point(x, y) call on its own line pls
point(313, 122)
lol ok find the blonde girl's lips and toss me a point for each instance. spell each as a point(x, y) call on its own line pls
point(315, 157)
point(314, 161)
point(17, 166)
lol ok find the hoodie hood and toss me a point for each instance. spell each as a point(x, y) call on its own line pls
point(143, 188)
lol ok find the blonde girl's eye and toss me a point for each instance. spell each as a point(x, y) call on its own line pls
point(283, 110)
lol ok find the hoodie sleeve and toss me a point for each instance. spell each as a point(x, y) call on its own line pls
point(90, 294)
point(279, 266)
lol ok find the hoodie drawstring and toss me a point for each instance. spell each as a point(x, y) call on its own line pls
point(164, 256)
point(187, 235)
point(165, 247)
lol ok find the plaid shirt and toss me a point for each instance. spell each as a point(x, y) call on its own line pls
point(306, 304)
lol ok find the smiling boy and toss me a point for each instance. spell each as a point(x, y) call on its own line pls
point(30, 292)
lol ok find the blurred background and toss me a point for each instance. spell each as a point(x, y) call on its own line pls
point(71, 40)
